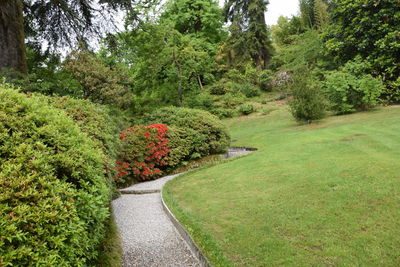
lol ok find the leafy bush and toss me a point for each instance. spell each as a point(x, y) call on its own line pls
point(265, 78)
point(350, 89)
point(218, 88)
point(369, 29)
point(248, 89)
point(94, 120)
point(53, 195)
point(247, 109)
point(307, 103)
point(207, 134)
point(144, 151)
point(99, 83)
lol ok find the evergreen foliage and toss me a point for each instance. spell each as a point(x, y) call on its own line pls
point(249, 32)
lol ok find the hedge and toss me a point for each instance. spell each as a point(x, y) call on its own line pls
point(205, 131)
point(53, 195)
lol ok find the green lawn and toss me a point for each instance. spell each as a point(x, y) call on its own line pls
point(312, 195)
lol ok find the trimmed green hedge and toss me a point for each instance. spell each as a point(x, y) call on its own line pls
point(53, 195)
point(200, 133)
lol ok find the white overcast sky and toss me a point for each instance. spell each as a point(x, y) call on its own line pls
point(277, 8)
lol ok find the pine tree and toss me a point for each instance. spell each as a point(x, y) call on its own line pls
point(249, 32)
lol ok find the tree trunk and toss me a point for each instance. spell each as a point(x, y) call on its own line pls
point(12, 45)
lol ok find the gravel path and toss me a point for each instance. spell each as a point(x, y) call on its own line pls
point(148, 236)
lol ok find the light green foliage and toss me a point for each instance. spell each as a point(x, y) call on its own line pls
point(53, 195)
point(306, 49)
point(314, 13)
point(165, 65)
point(307, 102)
point(247, 89)
point(200, 18)
point(207, 133)
point(369, 29)
point(98, 124)
point(286, 29)
point(350, 89)
point(265, 78)
point(99, 83)
point(312, 195)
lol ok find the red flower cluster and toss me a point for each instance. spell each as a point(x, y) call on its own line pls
point(145, 148)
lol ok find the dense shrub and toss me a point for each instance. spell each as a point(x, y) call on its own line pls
point(219, 88)
point(99, 82)
point(369, 29)
point(265, 79)
point(94, 120)
point(207, 134)
point(350, 89)
point(247, 109)
point(53, 195)
point(307, 103)
point(143, 154)
point(247, 89)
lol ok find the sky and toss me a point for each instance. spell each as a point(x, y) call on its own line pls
point(277, 8)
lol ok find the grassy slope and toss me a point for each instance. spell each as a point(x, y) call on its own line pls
point(322, 194)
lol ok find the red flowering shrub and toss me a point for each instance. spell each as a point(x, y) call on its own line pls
point(144, 151)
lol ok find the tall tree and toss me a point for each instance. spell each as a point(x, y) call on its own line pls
point(314, 13)
point(202, 18)
point(60, 23)
point(12, 49)
point(249, 29)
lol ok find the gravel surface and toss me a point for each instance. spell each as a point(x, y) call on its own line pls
point(148, 236)
point(155, 185)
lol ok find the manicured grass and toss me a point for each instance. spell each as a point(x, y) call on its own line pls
point(312, 195)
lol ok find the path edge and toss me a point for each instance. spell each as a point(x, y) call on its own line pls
point(204, 262)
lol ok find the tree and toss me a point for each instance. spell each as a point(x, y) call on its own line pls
point(249, 32)
point(369, 29)
point(285, 31)
point(165, 64)
point(12, 49)
point(60, 23)
point(314, 13)
point(201, 18)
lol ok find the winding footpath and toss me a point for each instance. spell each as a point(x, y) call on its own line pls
point(149, 238)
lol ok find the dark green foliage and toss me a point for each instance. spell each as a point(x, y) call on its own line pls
point(46, 76)
point(350, 89)
point(206, 133)
point(53, 195)
point(369, 29)
point(66, 22)
point(249, 32)
point(307, 103)
point(247, 109)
